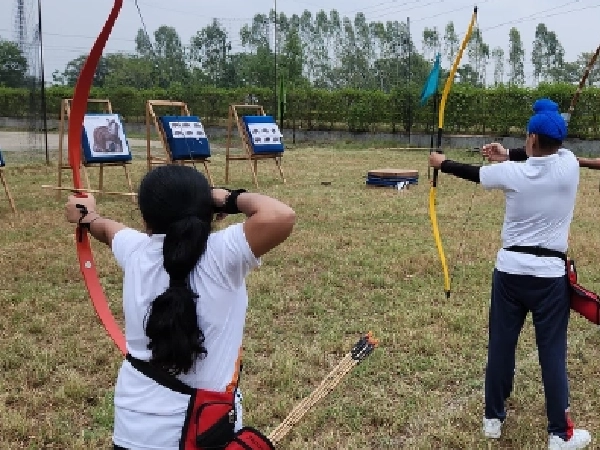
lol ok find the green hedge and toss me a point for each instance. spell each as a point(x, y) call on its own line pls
point(500, 111)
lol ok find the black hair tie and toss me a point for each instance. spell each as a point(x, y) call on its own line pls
point(178, 283)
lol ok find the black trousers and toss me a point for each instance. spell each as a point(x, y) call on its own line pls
point(513, 297)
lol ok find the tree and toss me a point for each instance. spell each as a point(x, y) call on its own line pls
point(479, 54)
point(567, 72)
point(71, 73)
point(171, 53)
point(209, 48)
point(366, 53)
point(583, 61)
point(292, 58)
point(13, 65)
point(431, 43)
point(167, 55)
point(336, 40)
point(143, 45)
point(321, 47)
point(498, 56)
point(129, 70)
point(259, 60)
point(309, 36)
point(402, 48)
point(516, 58)
point(547, 55)
point(469, 74)
point(450, 42)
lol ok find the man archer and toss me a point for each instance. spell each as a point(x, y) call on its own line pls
point(529, 275)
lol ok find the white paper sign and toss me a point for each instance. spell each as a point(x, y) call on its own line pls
point(265, 133)
point(193, 130)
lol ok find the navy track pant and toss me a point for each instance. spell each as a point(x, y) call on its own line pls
point(513, 296)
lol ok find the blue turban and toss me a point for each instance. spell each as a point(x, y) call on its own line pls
point(547, 120)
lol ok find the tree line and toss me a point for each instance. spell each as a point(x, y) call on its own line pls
point(322, 50)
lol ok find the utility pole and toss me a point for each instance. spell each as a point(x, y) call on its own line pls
point(275, 59)
point(43, 91)
point(408, 80)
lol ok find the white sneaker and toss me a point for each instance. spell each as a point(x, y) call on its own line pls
point(492, 428)
point(580, 439)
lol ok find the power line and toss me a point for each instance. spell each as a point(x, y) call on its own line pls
point(460, 8)
point(536, 15)
point(191, 13)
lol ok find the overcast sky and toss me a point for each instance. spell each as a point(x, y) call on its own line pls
point(70, 26)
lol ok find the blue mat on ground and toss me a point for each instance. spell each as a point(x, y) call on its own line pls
point(186, 137)
point(2, 164)
point(390, 181)
point(103, 139)
point(264, 134)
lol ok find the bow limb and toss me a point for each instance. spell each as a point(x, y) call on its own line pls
point(432, 191)
point(584, 78)
point(76, 117)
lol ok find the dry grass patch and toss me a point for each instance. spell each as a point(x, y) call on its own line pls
point(359, 259)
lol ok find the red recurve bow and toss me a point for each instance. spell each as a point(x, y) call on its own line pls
point(78, 110)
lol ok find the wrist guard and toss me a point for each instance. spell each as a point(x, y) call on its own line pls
point(230, 206)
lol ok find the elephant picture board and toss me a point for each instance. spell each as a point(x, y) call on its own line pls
point(104, 139)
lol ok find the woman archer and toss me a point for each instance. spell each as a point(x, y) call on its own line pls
point(184, 303)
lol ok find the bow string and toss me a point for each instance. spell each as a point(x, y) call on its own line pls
point(433, 188)
point(76, 118)
point(161, 69)
point(584, 78)
point(567, 116)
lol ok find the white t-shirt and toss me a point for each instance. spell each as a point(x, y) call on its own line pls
point(540, 198)
point(150, 416)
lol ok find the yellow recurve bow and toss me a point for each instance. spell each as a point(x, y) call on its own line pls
point(432, 191)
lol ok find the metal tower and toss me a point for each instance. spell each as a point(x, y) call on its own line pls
point(20, 25)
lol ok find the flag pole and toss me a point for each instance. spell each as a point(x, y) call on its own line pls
point(275, 54)
point(435, 103)
point(432, 88)
point(282, 101)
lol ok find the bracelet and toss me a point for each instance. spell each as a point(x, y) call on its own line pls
point(87, 224)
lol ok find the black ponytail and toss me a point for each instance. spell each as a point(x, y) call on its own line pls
point(177, 201)
point(176, 340)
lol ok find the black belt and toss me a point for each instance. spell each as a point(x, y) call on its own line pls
point(159, 376)
point(537, 251)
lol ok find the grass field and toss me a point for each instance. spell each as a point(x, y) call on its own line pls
point(359, 259)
